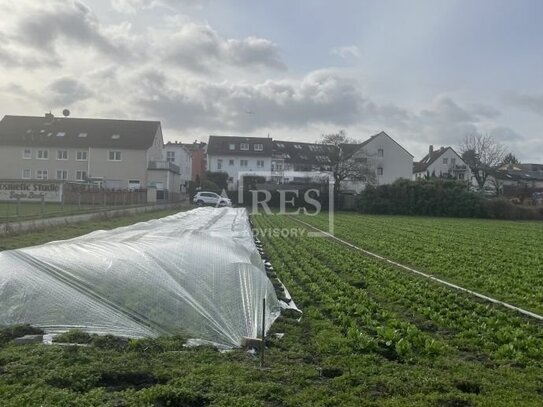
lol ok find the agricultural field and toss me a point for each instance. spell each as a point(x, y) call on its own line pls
point(502, 259)
point(370, 334)
point(77, 229)
point(10, 212)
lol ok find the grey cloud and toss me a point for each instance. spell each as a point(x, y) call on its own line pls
point(319, 97)
point(66, 22)
point(66, 91)
point(530, 102)
point(445, 110)
point(505, 134)
point(485, 111)
point(199, 48)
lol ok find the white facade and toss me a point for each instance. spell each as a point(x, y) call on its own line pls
point(447, 165)
point(179, 155)
point(235, 166)
point(387, 158)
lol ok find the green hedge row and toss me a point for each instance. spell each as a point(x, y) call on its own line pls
point(438, 197)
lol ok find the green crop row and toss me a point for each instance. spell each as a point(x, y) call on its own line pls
point(501, 259)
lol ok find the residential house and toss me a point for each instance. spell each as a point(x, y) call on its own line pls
point(293, 161)
point(516, 179)
point(113, 154)
point(442, 163)
point(239, 156)
point(382, 154)
point(199, 159)
point(180, 155)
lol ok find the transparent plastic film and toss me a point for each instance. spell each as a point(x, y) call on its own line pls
point(195, 273)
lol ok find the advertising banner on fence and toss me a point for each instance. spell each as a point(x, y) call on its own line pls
point(31, 191)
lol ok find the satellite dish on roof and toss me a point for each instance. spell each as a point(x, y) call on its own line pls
point(66, 112)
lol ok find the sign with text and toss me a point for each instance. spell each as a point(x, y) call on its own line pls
point(30, 191)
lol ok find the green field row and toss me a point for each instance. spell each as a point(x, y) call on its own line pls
point(502, 259)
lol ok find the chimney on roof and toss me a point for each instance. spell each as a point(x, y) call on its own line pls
point(49, 118)
point(431, 149)
point(442, 149)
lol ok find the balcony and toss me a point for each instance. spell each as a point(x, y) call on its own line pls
point(460, 168)
point(163, 165)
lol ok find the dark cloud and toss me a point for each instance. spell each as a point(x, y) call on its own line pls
point(505, 134)
point(66, 91)
point(530, 102)
point(46, 30)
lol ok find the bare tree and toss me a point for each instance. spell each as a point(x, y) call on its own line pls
point(482, 154)
point(344, 166)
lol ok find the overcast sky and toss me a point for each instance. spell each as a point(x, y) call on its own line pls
point(426, 72)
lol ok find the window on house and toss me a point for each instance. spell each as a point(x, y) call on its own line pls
point(80, 175)
point(244, 146)
point(461, 175)
point(260, 163)
point(380, 152)
point(219, 164)
point(380, 171)
point(231, 146)
point(27, 173)
point(445, 161)
point(81, 156)
point(259, 147)
point(231, 162)
point(114, 156)
point(170, 156)
point(62, 174)
point(243, 163)
point(453, 161)
point(42, 174)
point(280, 145)
point(116, 136)
point(61, 134)
point(82, 135)
point(27, 153)
point(297, 146)
point(42, 154)
point(62, 154)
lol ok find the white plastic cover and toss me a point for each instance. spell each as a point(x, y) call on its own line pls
point(195, 273)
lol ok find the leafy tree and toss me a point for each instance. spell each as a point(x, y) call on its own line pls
point(219, 178)
point(207, 185)
point(510, 160)
point(343, 165)
point(482, 153)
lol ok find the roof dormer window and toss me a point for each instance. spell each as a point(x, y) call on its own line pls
point(82, 135)
point(244, 146)
point(61, 134)
point(259, 147)
point(231, 146)
point(116, 136)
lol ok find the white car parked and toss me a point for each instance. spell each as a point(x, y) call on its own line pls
point(211, 198)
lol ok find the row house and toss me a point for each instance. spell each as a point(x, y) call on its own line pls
point(290, 161)
point(239, 156)
point(113, 154)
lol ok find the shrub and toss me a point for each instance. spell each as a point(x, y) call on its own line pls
point(435, 197)
point(16, 331)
